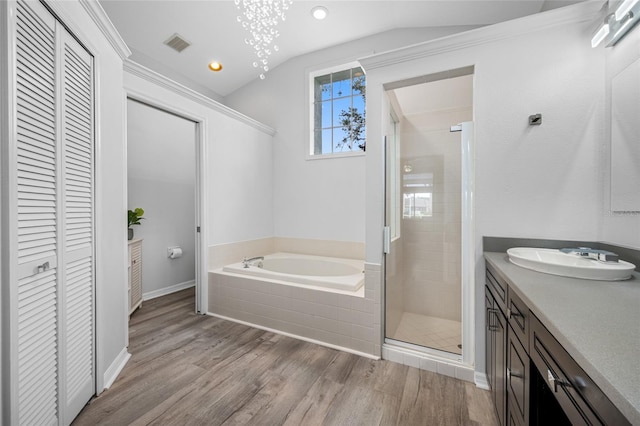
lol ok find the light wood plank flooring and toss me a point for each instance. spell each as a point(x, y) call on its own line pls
point(199, 370)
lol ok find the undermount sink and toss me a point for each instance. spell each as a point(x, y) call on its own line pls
point(555, 262)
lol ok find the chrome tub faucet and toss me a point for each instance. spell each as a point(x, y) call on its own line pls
point(247, 262)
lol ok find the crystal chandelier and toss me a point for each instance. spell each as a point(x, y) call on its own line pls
point(260, 18)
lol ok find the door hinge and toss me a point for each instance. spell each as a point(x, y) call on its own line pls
point(197, 229)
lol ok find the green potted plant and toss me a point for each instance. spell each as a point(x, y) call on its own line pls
point(134, 218)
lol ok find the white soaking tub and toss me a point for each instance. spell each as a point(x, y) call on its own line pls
point(317, 271)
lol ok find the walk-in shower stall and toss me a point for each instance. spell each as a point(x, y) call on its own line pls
point(428, 163)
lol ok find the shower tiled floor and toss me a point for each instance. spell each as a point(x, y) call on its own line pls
point(432, 332)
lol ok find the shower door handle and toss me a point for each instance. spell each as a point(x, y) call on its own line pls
point(386, 240)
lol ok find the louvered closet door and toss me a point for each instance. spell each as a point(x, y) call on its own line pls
point(37, 220)
point(53, 299)
point(77, 363)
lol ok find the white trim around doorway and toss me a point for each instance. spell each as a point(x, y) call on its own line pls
point(201, 191)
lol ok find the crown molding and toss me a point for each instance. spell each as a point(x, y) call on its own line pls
point(145, 73)
point(100, 18)
point(581, 12)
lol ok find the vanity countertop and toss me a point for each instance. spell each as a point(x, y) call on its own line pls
point(597, 322)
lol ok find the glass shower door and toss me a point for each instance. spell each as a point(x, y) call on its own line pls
point(424, 214)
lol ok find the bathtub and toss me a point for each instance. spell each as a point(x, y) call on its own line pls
point(306, 270)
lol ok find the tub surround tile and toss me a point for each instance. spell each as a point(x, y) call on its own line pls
point(362, 346)
point(348, 321)
point(362, 333)
point(329, 248)
point(228, 253)
point(344, 321)
point(225, 254)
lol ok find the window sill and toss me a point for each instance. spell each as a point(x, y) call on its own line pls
point(335, 155)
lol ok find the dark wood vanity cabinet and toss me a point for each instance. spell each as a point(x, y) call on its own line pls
point(579, 398)
point(496, 334)
point(533, 380)
point(517, 381)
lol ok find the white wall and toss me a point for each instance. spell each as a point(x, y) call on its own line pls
point(161, 159)
point(617, 228)
point(538, 181)
point(238, 166)
point(316, 199)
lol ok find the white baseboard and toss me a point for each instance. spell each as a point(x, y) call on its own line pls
point(296, 336)
point(481, 380)
point(168, 290)
point(115, 368)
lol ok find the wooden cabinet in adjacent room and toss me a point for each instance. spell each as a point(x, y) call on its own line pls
point(135, 274)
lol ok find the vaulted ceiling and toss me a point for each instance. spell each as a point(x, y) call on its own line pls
point(212, 28)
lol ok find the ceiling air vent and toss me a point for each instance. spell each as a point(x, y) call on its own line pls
point(177, 43)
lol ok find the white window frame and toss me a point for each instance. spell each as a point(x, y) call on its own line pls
point(309, 147)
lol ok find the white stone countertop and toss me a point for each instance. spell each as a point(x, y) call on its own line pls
point(597, 322)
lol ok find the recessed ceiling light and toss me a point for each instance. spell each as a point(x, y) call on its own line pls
point(215, 66)
point(319, 12)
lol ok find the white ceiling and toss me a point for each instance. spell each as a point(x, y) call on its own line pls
point(215, 34)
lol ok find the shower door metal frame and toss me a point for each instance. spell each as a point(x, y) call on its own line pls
point(467, 357)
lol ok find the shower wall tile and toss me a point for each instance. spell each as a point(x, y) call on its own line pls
point(411, 360)
point(465, 373)
point(446, 369)
point(428, 364)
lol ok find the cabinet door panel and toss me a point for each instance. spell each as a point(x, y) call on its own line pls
point(500, 365)
point(495, 353)
point(517, 379)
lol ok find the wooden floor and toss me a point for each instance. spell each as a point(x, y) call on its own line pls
point(188, 369)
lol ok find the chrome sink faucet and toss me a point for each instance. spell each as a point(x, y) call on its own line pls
point(600, 255)
point(247, 262)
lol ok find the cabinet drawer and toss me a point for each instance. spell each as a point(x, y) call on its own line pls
point(497, 287)
point(581, 400)
point(518, 317)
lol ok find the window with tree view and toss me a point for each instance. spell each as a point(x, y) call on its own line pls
point(339, 112)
